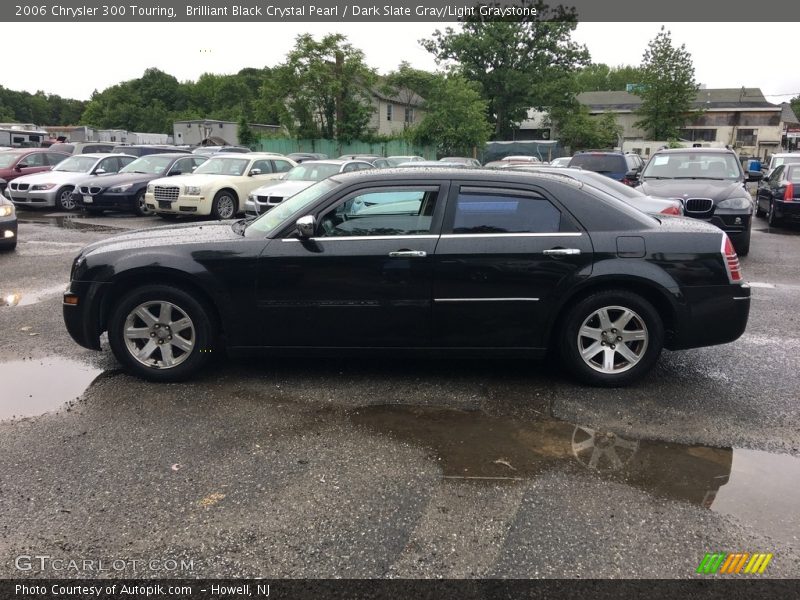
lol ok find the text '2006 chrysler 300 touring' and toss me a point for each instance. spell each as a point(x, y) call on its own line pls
point(427, 260)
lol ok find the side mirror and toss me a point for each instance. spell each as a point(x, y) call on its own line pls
point(755, 176)
point(100, 172)
point(633, 175)
point(255, 172)
point(306, 226)
point(21, 166)
point(171, 173)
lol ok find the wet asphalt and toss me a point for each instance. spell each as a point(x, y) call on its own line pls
point(368, 468)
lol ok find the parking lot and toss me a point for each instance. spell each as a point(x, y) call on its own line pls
point(363, 468)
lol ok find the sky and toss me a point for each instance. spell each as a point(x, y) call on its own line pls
point(724, 54)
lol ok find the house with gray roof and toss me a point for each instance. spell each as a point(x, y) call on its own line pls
point(739, 117)
point(395, 110)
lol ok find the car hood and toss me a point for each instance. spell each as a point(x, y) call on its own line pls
point(119, 178)
point(54, 177)
point(171, 236)
point(197, 179)
point(693, 188)
point(284, 189)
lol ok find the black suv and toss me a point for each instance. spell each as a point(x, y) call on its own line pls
point(616, 165)
point(711, 184)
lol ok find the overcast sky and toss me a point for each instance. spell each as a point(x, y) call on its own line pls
point(721, 52)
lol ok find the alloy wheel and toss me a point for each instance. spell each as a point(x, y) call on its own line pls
point(612, 339)
point(159, 334)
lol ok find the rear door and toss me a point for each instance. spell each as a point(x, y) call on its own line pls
point(504, 258)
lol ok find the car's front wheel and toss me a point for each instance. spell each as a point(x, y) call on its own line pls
point(225, 205)
point(161, 333)
point(611, 338)
point(64, 199)
point(140, 206)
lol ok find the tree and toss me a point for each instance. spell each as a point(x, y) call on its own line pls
point(581, 131)
point(455, 117)
point(519, 65)
point(602, 78)
point(246, 135)
point(667, 87)
point(408, 82)
point(326, 86)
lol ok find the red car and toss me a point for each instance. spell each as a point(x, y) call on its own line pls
point(24, 161)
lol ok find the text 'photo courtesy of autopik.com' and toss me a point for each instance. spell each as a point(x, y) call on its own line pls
point(402, 299)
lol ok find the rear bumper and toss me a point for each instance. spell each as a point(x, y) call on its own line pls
point(787, 211)
point(715, 315)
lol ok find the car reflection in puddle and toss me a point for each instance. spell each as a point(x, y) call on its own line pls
point(34, 387)
point(472, 446)
point(65, 222)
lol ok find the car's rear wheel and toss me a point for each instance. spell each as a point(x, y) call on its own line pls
point(161, 333)
point(140, 206)
point(64, 199)
point(225, 205)
point(611, 338)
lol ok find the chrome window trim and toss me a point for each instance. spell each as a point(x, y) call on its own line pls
point(486, 299)
point(455, 236)
point(365, 237)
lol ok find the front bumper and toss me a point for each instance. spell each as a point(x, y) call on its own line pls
point(116, 201)
point(8, 231)
point(183, 205)
point(45, 198)
point(714, 315)
point(84, 319)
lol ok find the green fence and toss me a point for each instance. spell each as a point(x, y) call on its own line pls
point(334, 149)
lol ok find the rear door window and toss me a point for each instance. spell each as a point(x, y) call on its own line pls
point(486, 211)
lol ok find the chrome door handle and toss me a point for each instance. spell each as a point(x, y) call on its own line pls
point(562, 252)
point(408, 254)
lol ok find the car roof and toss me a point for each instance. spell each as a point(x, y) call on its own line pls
point(168, 155)
point(439, 173)
point(105, 154)
point(695, 150)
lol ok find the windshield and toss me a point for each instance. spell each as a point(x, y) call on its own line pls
point(153, 164)
point(223, 165)
point(294, 207)
point(76, 164)
point(312, 172)
point(8, 158)
point(693, 165)
point(619, 204)
point(785, 160)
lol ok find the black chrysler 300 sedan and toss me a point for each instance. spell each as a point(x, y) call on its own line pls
point(435, 260)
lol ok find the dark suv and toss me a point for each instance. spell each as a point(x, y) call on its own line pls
point(618, 166)
point(711, 184)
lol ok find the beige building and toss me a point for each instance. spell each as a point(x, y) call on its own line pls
point(738, 117)
point(393, 113)
point(192, 133)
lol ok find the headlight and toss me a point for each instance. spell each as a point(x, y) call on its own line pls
point(42, 186)
point(736, 203)
point(192, 190)
point(151, 188)
point(6, 211)
point(120, 188)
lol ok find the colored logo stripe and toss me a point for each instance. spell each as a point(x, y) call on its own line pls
point(724, 563)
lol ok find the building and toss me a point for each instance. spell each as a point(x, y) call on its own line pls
point(395, 112)
point(738, 117)
point(192, 133)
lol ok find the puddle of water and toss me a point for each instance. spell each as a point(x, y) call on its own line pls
point(758, 488)
point(67, 222)
point(34, 387)
point(26, 299)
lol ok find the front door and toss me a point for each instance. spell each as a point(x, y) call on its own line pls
point(363, 280)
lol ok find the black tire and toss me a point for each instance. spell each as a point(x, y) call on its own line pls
point(772, 220)
point(64, 199)
point(183, 332)
point(225, 205)
point(759, 211)
point(742, 247)
point(140, 206)
point(645, 328)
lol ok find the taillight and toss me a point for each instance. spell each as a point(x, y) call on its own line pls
point(671, 210)
point(788, 193)
point(731, 260)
